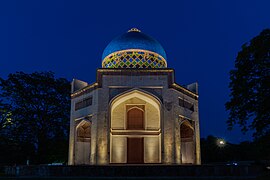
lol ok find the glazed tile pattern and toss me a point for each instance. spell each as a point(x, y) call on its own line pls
point(134, 58)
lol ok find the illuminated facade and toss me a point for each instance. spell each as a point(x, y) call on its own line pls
point(135, 113)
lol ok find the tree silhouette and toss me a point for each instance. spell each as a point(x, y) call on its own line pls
point(249, 105)
point(39, 105)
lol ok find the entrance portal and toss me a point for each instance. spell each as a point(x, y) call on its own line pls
point(135, 150)
point(135, 135)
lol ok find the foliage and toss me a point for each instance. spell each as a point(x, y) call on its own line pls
point(212, 153)
point(244, 152)
point(39, 105)
point(5, 116)
point(249, 105)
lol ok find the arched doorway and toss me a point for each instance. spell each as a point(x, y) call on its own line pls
point(83, 142)
point(187, 143)
point(135, 135)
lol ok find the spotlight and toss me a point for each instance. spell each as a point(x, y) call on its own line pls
point(221, 142)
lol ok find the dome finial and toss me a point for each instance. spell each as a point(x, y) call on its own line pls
point(134, 30)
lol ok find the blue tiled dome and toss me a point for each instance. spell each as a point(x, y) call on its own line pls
point(134, 39)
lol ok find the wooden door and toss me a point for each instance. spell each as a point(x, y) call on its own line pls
point(135, 149)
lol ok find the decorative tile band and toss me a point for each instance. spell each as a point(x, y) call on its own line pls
point(134, 58)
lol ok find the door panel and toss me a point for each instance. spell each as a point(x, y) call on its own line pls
point(135, 149)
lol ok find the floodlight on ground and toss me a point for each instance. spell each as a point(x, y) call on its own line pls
point(221, 142)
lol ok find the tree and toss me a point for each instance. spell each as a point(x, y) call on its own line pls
point(212, 152)
point(5, 117)
point(39, 105)
point(7, 147)
point(249, 105)
point(245, 151)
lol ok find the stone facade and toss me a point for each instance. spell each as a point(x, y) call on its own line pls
point(167, 107)
point(135, 113)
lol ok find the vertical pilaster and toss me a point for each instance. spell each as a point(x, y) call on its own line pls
point(93, 140)
point(177, 141)
point(195, 116)
point(198, 144)
point(71, 138)
point(168, 137)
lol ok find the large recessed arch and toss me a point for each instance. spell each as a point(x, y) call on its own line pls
point(135, 135)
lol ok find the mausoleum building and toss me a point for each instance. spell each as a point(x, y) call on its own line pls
point(135, 112)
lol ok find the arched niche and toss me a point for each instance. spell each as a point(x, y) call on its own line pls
point(83, 142)
point(135, 135)
point(84, 131)
point(187, 143)
point(121, 105)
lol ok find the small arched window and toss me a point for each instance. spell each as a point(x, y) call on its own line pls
point(135, 119)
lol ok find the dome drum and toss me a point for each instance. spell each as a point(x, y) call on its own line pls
point(134, 58)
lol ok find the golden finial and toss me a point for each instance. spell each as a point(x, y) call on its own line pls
point(134, 30)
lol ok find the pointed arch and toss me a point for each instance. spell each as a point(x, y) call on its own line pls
point(83, 131)
point(83, 142)
point(187, 142)
point(153, 100)
point(135, 118)
point(135, 123)
point(186, 130)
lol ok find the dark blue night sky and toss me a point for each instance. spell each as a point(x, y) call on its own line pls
point(201, 39)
